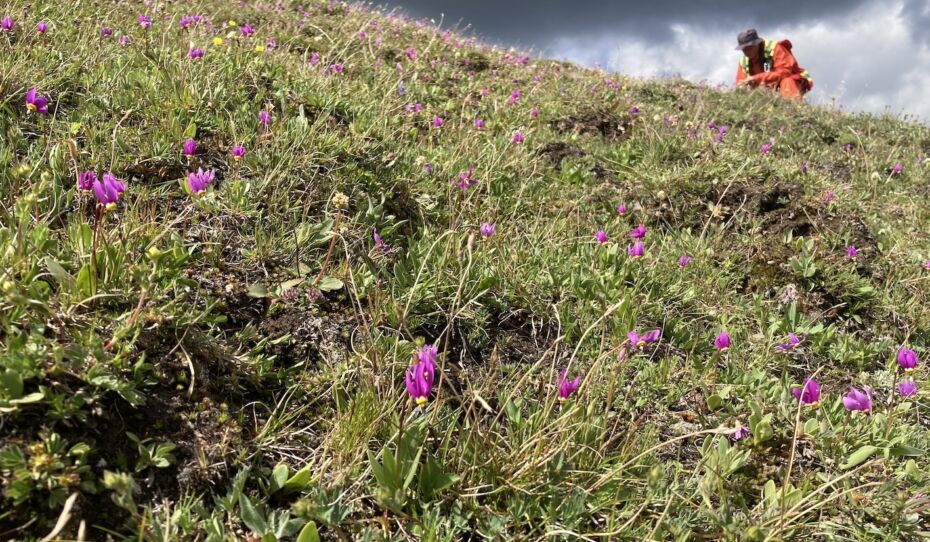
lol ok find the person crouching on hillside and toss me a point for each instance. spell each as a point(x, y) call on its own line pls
point(770, 63)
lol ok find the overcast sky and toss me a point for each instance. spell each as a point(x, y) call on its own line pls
point(869, 55)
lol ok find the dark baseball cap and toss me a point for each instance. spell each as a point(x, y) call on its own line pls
point(748, 38)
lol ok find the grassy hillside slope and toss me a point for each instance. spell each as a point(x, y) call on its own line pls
point(226, 359)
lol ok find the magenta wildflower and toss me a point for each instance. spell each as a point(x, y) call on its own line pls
point(634, 111)
point(6, 24)
point(722, 342)
point(857, 400)
point(636, 250)
point(379, 243)
point(411, 53)
point(897, 169)
point(712, 125)
point(793, 340)
point(108, 191)
point(487, 230)
point(271, 44)
point(428, 168)
point(123, 40)
point(600, 237)
point(195, 53)
point(190, 148)
point(828, 197)
point(145, 21)
point(479, 123)
point(86, 180)
point(765, 148)
point(35, 103)
point(907, 359)
point(851, 252)
point(186, 22)
point(639, 341)
point(485, 92)
point(639, 232)
point(238, 152)
point(534, 112)
point(684, 260)
point(621, 209)
point(420, 377)
point(907, 388)
point(106, 31)
point(739, 433)
point(465, 179)
point(517, 137)
point(514, 97)
point(567, 387)
point(198, 182)
point(42, 27)
point(314, 59)
point(809, 395)
point(246, 30)
point(264, 117)
point(437, 122)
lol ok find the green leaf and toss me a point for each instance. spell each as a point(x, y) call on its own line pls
point(906, 451)
point(328, 284)
point(278, 477)
point(56, 270)
point(258, 290)
point(298, 481)
point(433, 480)
point(12, 382)
point(87, 281)
point(309, 533)
point(859, 456)
point(190, 132)
point(253, 519)
point(714, 402)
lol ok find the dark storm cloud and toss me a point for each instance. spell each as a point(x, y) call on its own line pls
point(533, 23)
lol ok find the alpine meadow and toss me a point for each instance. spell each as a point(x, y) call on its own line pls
point(320, 271)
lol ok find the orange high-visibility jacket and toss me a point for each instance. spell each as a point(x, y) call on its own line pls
point(777, 63)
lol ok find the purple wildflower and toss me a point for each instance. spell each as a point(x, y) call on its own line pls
point(684, 260)
point(765, 148)
point(42, 27)
point(907, 388)
point(86, 180)
point(514, 97)
point(36, 103)
point(195, 53)
point(897, 169)
point(851, 252)
point(123, 40)
point(190, 148)
point(567, 387)
point(636, 250)
point(600, 237)
point(639, 341)
point(238, 152)
point(739, 433)
point(534, 112)
point(106, 31)
point(517, 137)
point(828, 197)
point(479, 123)
point(803, 168)
point(907, 359)
point(487, 230)
point(264, 117)
point(145, 21)
point(246, 30)
point(108, 191)
point(437, 122)
point(793, 340)
point(314, 59)
point(639, 232)
point(857, 400)
point(420, 377)
point(198, 182)
point(465, 179)
point(186, 22)
point(722, 342)
point(712, 125)
point(272, 43)
point(6, 24)
point(621, 209)
point(428, 168)
point(379, 243)
point(809, 395)
point(634, 111)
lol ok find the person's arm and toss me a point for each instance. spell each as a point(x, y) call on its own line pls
point(781, 66)
point(740, 74)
